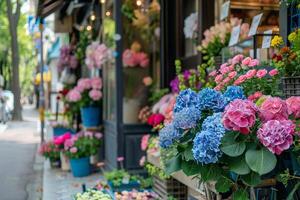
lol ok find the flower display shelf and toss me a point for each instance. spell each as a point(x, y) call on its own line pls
point(124, 187)
point(291, 86)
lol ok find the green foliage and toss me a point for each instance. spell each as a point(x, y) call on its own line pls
point(117, 176)
point(240, 194)
point(153, 170)
point(233, 144)
point(251, 179)
point(84, 41)
point(223, 184)
point(239, 166)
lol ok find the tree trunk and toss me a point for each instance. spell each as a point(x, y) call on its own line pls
point(13, 19)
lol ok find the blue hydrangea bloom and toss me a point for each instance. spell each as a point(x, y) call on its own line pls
point(206, 147)
point(186, 98)
point(214, 124)
point(233, 92)
point(168, 135)
point(211, 99)
point(186, 118)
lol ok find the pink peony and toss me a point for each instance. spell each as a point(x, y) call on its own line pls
point(273, 72)
point(253, 63)
point(239, 116)
point(95, 95)
point(237, 59)
point(240, 80)
point(73, 150)
point(273, 108)
point(145, 142)
point(232, 74)
point(276, 135)
point(246, 61)
point(219, 78)
point(96, 83)
point(73, 95)
point(261, 73)
point(293, 104)
point(251, 73)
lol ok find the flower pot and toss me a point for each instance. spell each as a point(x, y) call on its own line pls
point(55, 163)
point(291, 86)
point(58, 131)
point(80, 167)
point(90, 116)
point(65, 162)
point(131, 108)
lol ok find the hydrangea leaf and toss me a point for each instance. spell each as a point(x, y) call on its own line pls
point(231, 147)
point(173, 165)
point(188, 154)
point(210, 172)
point(223, 184)
point(252, 179)
point(190, 168)
point(240, 195)
point(239, 166)
point(261, 161)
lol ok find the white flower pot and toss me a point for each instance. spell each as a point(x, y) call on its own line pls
point(65, 162)
point(131, 108)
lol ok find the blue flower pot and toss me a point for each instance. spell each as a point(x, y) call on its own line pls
point(80, 167)
point(90, 116)
point(58, 131)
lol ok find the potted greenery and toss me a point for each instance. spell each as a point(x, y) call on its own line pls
point(87, 95)
point(50, 151)
point(120, 180)
point(78, 150)
point(287, 62)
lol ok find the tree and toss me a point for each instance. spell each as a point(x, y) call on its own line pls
point(13, 15)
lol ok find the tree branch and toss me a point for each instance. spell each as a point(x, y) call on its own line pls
point(9, 10)
point(17, 14)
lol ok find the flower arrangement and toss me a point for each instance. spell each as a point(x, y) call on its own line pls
point(92, 195)
point(49, 150)
point(133, 57)
point(87, 92)
point(134, 195)
point(191, 26)
point(287, 60)
point(245, 72)
point(96, 55)
point(67, 58)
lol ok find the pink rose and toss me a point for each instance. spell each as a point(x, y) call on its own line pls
point(273, 108)
point(293, 104)
point(240, 80)
point(73, 149)
point(213, 73)
point(239, 115)
point(95, 95)
point(251, 73)
point(253, 63)
point(237, 59)
point(261, 73)
point(219, 78)
point(96, 83)
point(276, 135)
point(232, 74)
point(246, 61)
point(273, 72)
point(144, 142)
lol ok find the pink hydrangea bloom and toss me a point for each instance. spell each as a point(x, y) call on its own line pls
point(95, 95)
point(239, 115)
point(73, 95)
point(84, 83)
point(276, 135)
point(96, 83)
point(261, 73)
point(273, 72)
point(144, 142)
point(293, 104)
point(251, 73)
point(273, 108)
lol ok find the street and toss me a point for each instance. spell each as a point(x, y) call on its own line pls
point(18, 143)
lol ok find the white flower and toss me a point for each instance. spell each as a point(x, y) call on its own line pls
point(191, 25)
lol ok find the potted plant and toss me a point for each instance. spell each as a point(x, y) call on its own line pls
point(50, 151)
point(59, 141)
point(95, 143)
point(287, 62)
point(77, 149)
point(120, 180)
point(87, 95)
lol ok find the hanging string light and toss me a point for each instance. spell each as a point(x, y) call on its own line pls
point(108, 13)
point(93, 17)
point(102, 1)
point(89, 28)
point(139, 2)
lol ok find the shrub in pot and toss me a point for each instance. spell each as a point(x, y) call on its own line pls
point(87, 96)
point(50, 151)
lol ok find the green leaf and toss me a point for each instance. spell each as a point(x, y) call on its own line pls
point(190, 168)
point(291, 195)
point(210, 172)
point(173, 165)
point(188, 154)
point(252, 179)
point(223, 184)
point(239, 166)
point(240, 195)
point(231, 147)
point(261, 161)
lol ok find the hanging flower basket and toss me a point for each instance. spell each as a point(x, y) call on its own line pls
point(291, 86)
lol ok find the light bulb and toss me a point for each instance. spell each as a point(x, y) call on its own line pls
point(107, 13)
point(138, 2)
point(93, 17)
point(89, 28)
point(102, 1)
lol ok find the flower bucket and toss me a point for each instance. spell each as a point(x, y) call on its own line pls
point(65, 162)
point(58, 131)
point(90, 116)
point(80, 167)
